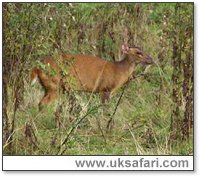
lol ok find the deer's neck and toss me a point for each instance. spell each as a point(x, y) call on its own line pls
point(127, 64)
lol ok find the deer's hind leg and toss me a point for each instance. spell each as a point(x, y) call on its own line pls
point(48, 98)
point(51, 86)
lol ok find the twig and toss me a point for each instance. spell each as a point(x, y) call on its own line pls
point(131, 78)
point(60, 152)
point(112, 116)
point(102, 133)
point(137, 145)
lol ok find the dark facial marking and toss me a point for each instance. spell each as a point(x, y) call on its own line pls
point(139, 53)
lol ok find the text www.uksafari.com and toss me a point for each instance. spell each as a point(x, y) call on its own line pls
point(141, 163)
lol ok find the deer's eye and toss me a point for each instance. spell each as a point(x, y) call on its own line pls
point(139, 53)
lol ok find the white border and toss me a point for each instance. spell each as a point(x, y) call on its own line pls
point(111, 163)
point(196, 113)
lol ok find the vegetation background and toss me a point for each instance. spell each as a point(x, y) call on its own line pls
point(155, 112)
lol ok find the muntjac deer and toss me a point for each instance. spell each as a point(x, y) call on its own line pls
point(85, 73)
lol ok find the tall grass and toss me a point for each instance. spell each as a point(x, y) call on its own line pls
point(142, 121)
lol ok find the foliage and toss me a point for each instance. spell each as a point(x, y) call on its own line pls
point(148, 116)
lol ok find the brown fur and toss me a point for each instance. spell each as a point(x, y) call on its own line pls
point(87, 73)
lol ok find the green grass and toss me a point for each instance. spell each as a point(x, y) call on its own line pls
point(141, 125)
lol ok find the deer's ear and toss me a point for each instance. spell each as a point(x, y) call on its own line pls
point(125, 48)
